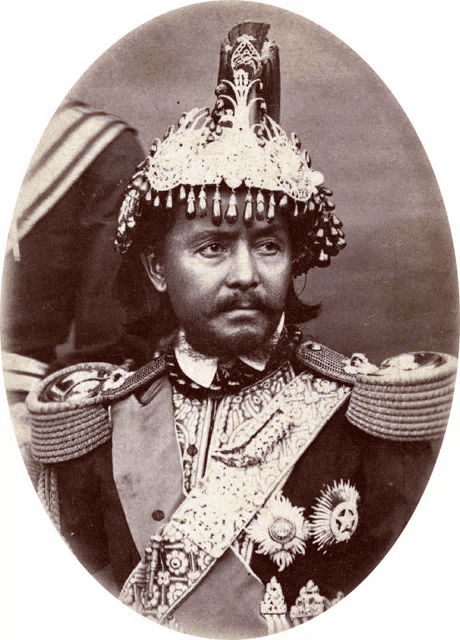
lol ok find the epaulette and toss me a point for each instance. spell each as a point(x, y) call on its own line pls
point(326, 361)
point(408, 397)
point(69, 408)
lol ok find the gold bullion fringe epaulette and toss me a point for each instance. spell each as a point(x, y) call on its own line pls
point(328, 362)
point(69, 408)
point(407, 398)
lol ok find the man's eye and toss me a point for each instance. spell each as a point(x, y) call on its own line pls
point(212, 250)
point(270, 247)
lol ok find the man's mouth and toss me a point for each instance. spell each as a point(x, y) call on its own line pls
point(242, 304)
point(245, 306)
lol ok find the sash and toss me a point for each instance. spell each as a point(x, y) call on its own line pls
point(256, 461)
point(146, 461)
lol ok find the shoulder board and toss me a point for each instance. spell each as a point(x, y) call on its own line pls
point(69, 408)
point(134, 381)
point(407, 398)
point(330, 363)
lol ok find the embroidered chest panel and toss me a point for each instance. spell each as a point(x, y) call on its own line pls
point(204, 425)
point(250, 453)
point(240, 450)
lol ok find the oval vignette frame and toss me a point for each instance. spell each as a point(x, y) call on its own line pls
point(361, 602)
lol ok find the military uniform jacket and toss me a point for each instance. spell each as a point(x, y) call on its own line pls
point(286, 491)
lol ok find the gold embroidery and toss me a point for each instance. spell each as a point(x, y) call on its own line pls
point(222, 503)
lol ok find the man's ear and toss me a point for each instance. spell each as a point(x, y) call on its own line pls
point(154, 268)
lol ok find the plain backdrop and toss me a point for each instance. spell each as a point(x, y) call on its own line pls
point(393, 288)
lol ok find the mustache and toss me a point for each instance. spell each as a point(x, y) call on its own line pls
point(242, 300)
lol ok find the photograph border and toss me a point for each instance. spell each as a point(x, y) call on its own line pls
point(382, 35)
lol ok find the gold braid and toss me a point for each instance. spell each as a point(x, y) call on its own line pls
point(48, 493)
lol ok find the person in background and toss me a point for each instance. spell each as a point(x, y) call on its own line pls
point(59, 266)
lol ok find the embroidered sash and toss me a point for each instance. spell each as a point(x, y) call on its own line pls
point(256, 460)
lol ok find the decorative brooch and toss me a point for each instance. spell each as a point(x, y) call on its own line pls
point(335, 515)
point(280, 530)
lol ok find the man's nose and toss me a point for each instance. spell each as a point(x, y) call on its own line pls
point(243, 271)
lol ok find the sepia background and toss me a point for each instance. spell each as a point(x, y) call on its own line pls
point(422, 39)
point(393, 289)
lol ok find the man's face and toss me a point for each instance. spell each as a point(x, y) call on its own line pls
point(228, 284)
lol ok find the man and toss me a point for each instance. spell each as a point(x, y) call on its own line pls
point(240, 482)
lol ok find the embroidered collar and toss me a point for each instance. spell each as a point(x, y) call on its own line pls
point(226, 379)
point(202, 369)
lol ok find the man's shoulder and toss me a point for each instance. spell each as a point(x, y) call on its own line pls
point(407, 398)
point(325, 361)
point(69, 409)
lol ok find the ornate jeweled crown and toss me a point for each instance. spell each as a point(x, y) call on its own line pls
point(238, 145)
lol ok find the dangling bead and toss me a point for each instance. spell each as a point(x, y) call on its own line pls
point(216, 215)
point(248, 216)
point(323, 259)
point(336, 222)
point(202, 201)
point(283, 202)
point(311, 206)
point(156, 202)
point(145, 187)
point(260, 209)
point(271, 208)
point(182, 194)
point(296, 210)
point(148, 196)
point(191, 204)
point(231, 215)
point(169, 202)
